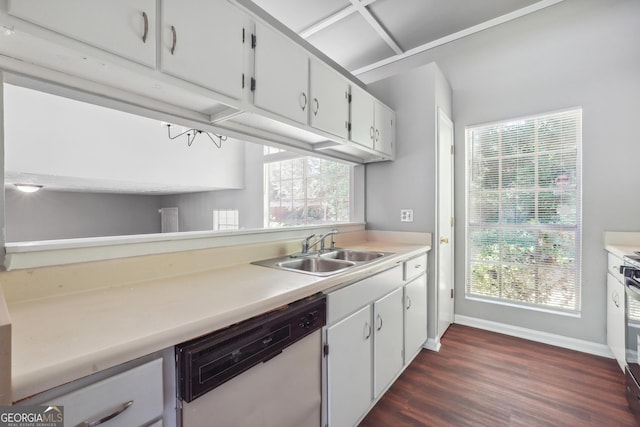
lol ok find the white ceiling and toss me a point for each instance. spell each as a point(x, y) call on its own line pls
point(364, 34)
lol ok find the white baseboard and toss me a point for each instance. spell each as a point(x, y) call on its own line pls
point(432, 344)
point(538, 336)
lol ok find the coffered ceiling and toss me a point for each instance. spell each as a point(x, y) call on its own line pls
point(362, 35)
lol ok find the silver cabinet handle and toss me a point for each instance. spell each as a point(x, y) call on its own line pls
point(418, 266)
point(175, 40)
point(377, 135)
point(367, 328)
point(316, 106)
point(408, 302)
point(380, 322)
point(303, 104)
point(146, 27)
point(371, 132)
point(104, 417)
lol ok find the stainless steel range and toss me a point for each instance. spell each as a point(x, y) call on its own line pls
point(631, 272)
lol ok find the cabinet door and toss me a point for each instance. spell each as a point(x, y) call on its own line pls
point(122, 27)
point(384, 129)
point(202, 43)
point(388, 340)
point(415, 317)
point(349, 368)
point(615, 319)
point(362, 113)
point(281, 75)
point(329, 100)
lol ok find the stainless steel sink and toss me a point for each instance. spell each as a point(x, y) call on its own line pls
point(352, 255)
point(324, 263)
point(316, 265)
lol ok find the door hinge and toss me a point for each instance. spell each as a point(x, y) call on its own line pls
point(452, 221)
point(348, 126)
point(254, 41)
point(452, 293)
point(253, 84)
point(349, 98)
point(243, 36)
point(452, 150)
point(325, 349)
point(242, 80)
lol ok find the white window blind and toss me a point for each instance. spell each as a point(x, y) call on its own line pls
point(524, 211)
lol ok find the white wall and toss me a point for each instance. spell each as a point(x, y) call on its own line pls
point(48, 215)
point(59, 140)
point(409, 182)
point(577, 53)
point(195, 211)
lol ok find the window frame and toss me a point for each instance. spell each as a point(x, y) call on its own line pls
point(578, 227)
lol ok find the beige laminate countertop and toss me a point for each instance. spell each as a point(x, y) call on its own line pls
point(62, 337)
point(622, 250)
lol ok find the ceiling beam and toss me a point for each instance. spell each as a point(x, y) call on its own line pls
point(331, 19)
point(373, 22)
point(458, 35)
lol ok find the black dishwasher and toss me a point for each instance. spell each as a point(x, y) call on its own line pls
point(209, 361)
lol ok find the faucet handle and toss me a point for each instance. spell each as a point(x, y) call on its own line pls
point(305, 243)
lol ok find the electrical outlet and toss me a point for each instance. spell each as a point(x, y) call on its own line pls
point(406, 215)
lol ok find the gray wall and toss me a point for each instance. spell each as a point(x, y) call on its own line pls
point(410, 181)
point(48, 215)
point(195, 210)
point(576, 53)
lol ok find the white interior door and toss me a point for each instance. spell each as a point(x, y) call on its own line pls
point(445, 259)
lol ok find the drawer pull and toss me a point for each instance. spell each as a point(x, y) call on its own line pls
point(108, 415)
point(418, 266)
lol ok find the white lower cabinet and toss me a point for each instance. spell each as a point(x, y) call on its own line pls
point(349, 368)
point(415, 317)
point(130, 398)
point(374, 328)
point(615, 318)
point(387, 340)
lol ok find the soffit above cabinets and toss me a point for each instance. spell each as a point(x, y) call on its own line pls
point(362, 34)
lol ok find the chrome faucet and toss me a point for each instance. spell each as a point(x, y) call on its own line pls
point(306, 245)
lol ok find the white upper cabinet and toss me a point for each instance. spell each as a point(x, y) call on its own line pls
point(329, 108)
point(362, 115)
point(281, 75)
point(202, 42)
point(384, 133)
point(122, 27)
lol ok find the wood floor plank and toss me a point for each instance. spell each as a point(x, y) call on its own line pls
point(481, 378)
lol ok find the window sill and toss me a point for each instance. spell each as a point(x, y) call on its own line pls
point(559, 312)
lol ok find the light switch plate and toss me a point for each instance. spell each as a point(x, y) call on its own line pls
point(406, 215)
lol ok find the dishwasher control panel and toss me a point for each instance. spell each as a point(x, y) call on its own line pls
point(206, 362)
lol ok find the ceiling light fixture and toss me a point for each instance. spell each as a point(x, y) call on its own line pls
point(192, 133)
point(28, 188)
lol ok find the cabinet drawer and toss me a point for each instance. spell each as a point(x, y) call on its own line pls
point(614, 264)
point(141, 385)
point(347, 300)
point(415, 267)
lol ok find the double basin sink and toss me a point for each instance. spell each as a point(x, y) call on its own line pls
point(324, 263)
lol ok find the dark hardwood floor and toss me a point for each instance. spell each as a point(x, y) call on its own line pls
point(481, 378)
